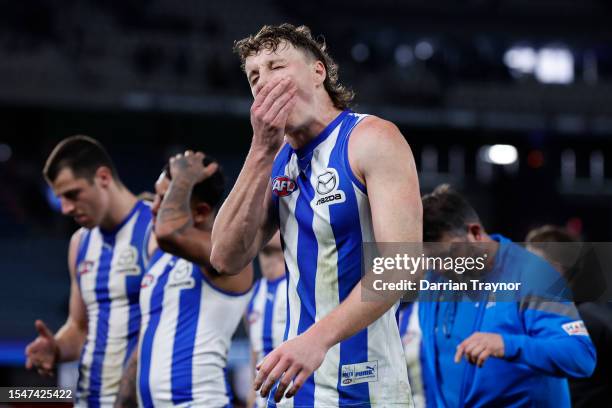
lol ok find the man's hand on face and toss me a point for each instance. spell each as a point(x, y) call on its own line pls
point(269, 113)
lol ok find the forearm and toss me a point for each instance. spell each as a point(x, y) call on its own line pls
point(350, 317)
point(243, 215)
point(174, 213)
point(127, 396)
point(69, 340)
point(563, 356)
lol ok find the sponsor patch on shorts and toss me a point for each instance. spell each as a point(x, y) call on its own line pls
point(359, 373)
point(575, 328)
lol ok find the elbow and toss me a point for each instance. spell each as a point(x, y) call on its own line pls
point(588, 363)
point(222, 263)
point(166, 239)
point(584, 362)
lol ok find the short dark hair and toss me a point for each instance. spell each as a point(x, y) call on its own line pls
point(446, 211)
point(209, 191)
point(549, 233)
point(270, 37)
point(83, 155)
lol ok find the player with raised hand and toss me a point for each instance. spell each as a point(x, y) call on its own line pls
point(330, 179)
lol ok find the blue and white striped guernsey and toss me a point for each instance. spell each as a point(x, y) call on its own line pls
point(267, 317)
point(109, 270)
point(187, 326)
point(324, 216)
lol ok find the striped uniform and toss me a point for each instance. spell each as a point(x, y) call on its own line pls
point(410, 332)
point(109, 270)
point(267, 317)
point(186, 330)
point(324, 216)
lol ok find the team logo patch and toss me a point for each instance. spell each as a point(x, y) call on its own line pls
point(359, 373)
point(85, 267)
point(253, 317)
point(180, 277)
point(575, 328)
point(326, 182)
point(147, 280)
point(126, 262)
point(327, 188)
point(282, 186)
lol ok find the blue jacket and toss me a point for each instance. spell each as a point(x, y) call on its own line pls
point(544, 342)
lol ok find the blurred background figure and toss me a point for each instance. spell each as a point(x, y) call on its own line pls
point(189, 311)
point(597, 389)
point(478, 350)
point(105, 265)
point(267, 312)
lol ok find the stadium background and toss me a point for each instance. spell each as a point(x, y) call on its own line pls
point(152, 77)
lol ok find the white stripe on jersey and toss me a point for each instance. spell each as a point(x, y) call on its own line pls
point(326, 282)
point(290, 253)
point(88, 289)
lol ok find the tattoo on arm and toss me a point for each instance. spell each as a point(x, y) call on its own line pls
point(127, 389)
point(175, 210)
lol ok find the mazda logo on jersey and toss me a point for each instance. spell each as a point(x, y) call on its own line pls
point(326, 182)
point(327, 188)
point(282, 186)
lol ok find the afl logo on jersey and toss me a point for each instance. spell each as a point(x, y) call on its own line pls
point(85, 267)
point(282, 186)
point(147, 280)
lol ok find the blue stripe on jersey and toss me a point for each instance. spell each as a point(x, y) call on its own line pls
point(268, 344)
point(307, 253)
point(157, 299)
point(184, 340)
point(228, 389)
point(104, 305)
point(404, 315)
point(253, 296)
point(83, 246)
point(132, 283)
point(282, 241)
point(354, 349)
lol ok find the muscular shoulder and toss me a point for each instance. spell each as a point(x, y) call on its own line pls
point(374, 140)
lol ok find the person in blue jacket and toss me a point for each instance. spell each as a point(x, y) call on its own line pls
point(482, 352)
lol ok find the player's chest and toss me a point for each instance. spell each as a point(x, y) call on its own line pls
point(108, 273)
point(169, 282)
point(321, 199)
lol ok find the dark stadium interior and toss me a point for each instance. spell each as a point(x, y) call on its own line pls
point(150, 78)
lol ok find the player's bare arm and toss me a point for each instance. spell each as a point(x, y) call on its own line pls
point(245, 223)
point(127, 397)
point(47, 349)
point(174, 228)
point(383, 161)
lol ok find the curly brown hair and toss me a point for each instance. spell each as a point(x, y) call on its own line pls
point(270, 37)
